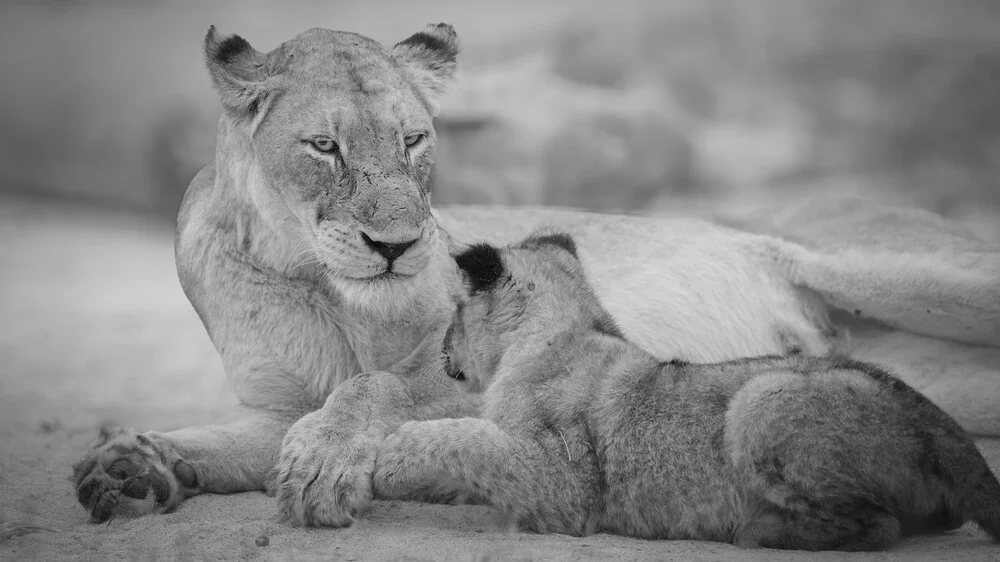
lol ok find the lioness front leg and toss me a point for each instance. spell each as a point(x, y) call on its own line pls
point(327, 457)
point(131, 474)
point(324, 474)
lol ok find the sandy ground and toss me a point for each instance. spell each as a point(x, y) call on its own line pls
point(94, 328)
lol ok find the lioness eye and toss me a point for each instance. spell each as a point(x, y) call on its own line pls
point(413, 140)
point(324, 144)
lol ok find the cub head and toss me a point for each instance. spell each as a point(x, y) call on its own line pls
point(330, 138)
point(515, 297)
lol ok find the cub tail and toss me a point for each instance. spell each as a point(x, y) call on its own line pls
point(971, 490)
point(977, 488)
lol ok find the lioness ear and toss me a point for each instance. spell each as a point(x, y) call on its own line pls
point(429, 59)
point(481, 265)
point(240, 73)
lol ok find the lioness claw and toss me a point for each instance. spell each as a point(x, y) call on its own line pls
point(324, 478)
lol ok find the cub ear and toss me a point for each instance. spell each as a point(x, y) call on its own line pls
point(481, 265)
point(429, 59)
point(558, 239)
point(240, 73)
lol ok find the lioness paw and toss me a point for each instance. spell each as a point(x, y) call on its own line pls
point(324, 478)
point(129, 474)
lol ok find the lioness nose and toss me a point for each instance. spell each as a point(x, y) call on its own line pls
point(388, 251)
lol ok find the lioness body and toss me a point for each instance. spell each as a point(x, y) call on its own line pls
point(585, 432)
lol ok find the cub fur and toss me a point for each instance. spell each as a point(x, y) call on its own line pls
point(585, 432)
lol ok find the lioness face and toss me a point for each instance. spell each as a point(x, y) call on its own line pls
point(342, 138)
point(516, 297)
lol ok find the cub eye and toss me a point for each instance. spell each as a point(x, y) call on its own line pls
point(413, 140)
point(324, 144)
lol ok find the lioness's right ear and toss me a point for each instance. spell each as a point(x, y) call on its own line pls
point(240, 73)
point(429, 59)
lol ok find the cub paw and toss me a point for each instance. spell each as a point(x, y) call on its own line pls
point(324, 477)
point(129, 474)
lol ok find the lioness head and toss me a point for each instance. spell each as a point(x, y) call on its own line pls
point(514, 297)
point(332, 140)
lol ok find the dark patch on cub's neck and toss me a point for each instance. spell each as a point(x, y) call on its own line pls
point(482, 264)
point(607, 326)
point(564, 241)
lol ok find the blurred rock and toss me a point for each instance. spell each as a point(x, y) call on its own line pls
point(596, 55)
point(615, 160)
point(745, 156)
point(482, 161)
point(924, 109)
point(521, 133)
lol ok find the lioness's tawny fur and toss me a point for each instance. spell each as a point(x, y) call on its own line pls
point(584, 432)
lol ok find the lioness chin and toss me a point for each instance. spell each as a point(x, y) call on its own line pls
point(584, 432)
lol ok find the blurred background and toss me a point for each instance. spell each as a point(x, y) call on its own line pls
point(641, 106)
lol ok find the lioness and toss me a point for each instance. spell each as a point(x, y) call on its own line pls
point(310, 252)
point(584, 432)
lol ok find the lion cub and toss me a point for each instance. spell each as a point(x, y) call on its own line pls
point(584, 432)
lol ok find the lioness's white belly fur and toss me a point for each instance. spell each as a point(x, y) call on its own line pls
point(678, 287)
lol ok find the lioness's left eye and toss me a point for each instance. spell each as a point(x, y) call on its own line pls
point(324, 144)
point(413, 140)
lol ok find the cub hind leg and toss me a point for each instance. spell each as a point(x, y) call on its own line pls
point(824, 479)
point(859, 526)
